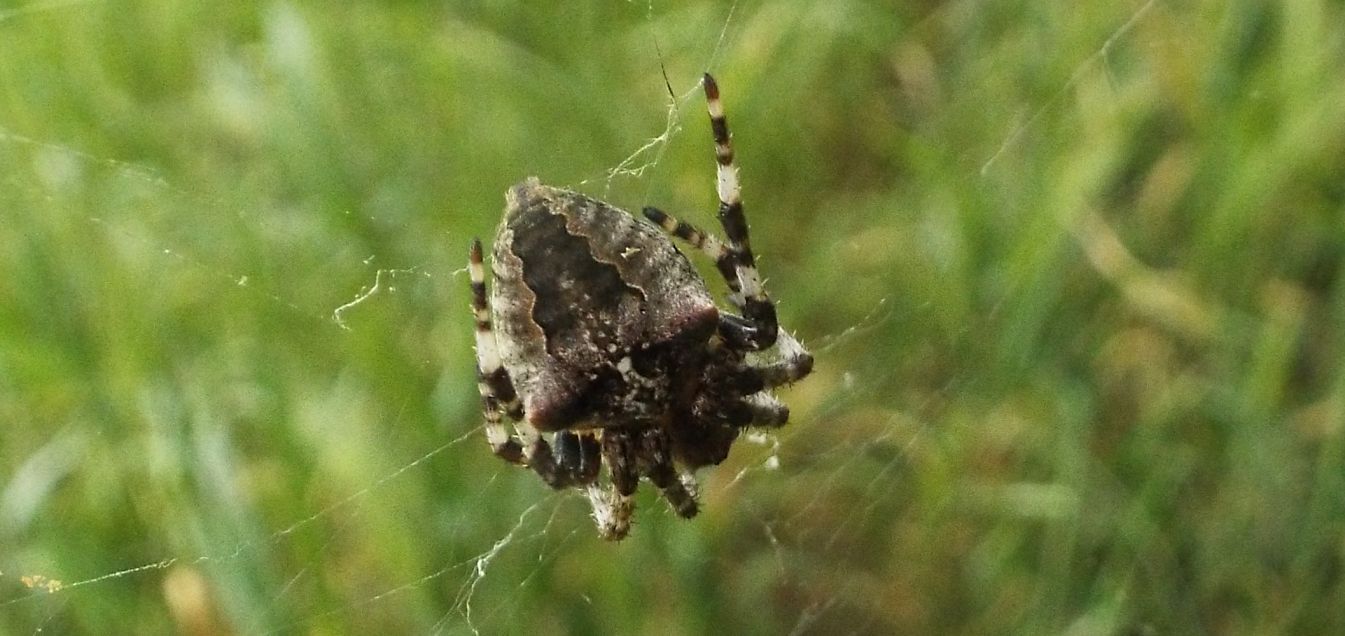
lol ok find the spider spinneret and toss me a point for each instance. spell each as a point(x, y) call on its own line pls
point(600, 334)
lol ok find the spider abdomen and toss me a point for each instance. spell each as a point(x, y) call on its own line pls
point(585, 296)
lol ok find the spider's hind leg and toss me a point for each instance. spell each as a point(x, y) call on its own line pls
point(498, 396)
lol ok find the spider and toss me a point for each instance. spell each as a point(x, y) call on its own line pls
point(600, 335)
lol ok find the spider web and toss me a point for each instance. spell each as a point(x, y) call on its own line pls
point(857, 467)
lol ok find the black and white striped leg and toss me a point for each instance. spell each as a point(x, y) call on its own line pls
point(737, 331)
point(740, 332)
point(793, 363)
point(756, 305)
point(498, 397)
point(656, 462)
point(707, 243)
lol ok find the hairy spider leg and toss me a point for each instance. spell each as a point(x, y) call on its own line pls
point(492, 383)
point(758, 328)
point(656, 462)
point(746, 283)
point(497, 390)
point(629, 455)
point(766, 410)
point(707, 243)
point(794, 364)
point(613, 511)
point(735, 329)
point(590, 458)
point(752, 381)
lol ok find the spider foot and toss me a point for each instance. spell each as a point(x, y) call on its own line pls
point(681, 500)
point(612, 511)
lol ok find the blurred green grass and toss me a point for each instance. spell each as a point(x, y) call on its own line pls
point(1071, 272)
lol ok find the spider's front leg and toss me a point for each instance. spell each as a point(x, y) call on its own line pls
point(793, 364)
point(748, 291)
point(498, 397)
point(758, 327)
point(736, 330)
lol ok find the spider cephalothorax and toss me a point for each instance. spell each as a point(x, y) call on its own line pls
point(600, 334)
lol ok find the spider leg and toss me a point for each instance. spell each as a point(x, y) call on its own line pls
point(590, 459)
point(620, 452)
point(611, 511)
point(794, 363)
point(737, 330)
point(578, 456)
point(488, 365)
point(758, 327)
point(707, 243)
point(498, 397)
point(759, 407)
point(791, 363)
point(613, 507)
point(752, 380)
point(757, 306)
point(656, 462)
point(565, 446)
point(766, 410)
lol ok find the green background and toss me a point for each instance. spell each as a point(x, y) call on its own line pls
point(1072, 272)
